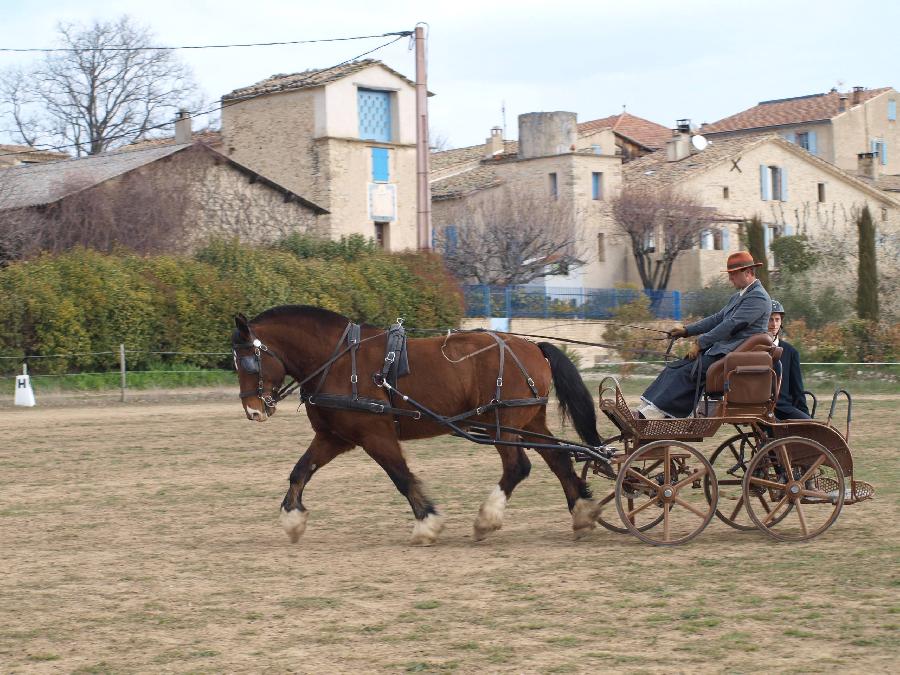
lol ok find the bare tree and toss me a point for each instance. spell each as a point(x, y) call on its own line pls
point(105, 89)
point(507, 238)
point(659, 224)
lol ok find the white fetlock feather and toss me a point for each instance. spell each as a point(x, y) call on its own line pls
point(584, 516)
point(490, 515)
point(426, 531)
point(294, 523)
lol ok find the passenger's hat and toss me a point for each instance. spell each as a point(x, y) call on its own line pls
point(740, 261)
point(777, 307)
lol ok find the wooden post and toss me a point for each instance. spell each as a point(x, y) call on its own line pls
point(423, 190)
point(122, 368)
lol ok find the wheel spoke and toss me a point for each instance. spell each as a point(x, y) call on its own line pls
point(667, 468)
point(737, 509)
point(817, 494)
point(765, 504)
point(641, 477)
point(608, 498)
point(799, 510)
point(631, 514)
point(771, 515)
point(771, 484)
point(811, 470)
point(690, 479)
point(785, 458)
point(690, 507)
point(666, 521)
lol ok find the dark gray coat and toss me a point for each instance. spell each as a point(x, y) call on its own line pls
point(743, 316)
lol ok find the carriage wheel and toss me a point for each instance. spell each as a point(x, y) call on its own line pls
point(729, 462)
point(799, 475)
point(615, 525)
point(673, 490)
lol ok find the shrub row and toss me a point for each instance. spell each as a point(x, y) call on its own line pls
point(84, 301)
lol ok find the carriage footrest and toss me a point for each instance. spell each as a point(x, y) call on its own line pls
point(857, 491)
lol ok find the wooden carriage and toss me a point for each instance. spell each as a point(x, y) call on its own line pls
point(789, 479)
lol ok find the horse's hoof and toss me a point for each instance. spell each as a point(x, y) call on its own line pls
point(294, 523)
point(584, 516)
point(490, 515)
point(426, 531)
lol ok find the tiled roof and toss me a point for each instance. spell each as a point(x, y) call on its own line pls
point(459, 184)
point(30, 185)
point(889, 183)
point(12, 154)
point(655, 171)
point(315, 77)
point(209, 137)
point(447, 159)
point(649, 134)
point(789, 111)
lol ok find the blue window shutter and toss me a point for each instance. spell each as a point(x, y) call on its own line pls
point(596, 186)
point(873, 146)
point(725, 246)
point(784, 185)
point(884, 152)
point(813, 147)
point(374, 110)
point(790, 136)
point(380, 165)
point(764, 182)
point(451, 239)
point(892, 110)
point(788, 230)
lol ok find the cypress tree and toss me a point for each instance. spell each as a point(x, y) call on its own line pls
point(755, 240)
point(867, 277)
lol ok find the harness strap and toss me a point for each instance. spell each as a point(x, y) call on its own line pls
point(338, 351)
point(353, 333)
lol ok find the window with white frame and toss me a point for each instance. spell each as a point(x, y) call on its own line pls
point(773, 185)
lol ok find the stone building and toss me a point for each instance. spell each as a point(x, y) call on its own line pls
point(344, 137)
point(205, 191)
point(836, 126)
point(18, 155)
point(789, 188)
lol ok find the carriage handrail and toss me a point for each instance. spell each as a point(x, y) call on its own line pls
point(604, 389)
point(815, 405)
point(834, 399)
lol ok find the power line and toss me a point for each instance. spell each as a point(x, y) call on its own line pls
point(192, 115)
point(406, 33)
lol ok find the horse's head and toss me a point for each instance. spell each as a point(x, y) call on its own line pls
point(260, 370)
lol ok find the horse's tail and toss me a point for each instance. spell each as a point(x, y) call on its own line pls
point(575, 401)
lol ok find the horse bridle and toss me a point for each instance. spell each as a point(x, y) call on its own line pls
point(253, 364)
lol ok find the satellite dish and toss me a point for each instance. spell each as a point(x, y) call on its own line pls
point(699, 142)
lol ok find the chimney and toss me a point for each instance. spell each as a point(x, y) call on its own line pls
point(866, 166)
point(182, 127)
point(679, 146)
point(857, 91)
point(494, 145)
point(842, 103)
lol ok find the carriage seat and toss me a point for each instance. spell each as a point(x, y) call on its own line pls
point(744, 379)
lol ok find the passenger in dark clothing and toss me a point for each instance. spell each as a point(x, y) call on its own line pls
point(791, 401)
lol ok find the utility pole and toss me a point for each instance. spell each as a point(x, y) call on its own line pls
point(423, 190)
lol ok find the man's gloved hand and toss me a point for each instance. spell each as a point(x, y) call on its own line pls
point(678, 332)
point(694, 351)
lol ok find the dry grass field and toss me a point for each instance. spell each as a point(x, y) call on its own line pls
point(143, 537)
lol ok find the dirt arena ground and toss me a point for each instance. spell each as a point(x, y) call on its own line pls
point(143, 537)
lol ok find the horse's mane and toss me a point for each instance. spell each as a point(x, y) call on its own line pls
point(300, 312)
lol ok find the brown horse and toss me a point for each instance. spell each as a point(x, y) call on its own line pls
point(449, 375)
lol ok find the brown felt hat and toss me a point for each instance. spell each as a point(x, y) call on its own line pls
point(740, 261)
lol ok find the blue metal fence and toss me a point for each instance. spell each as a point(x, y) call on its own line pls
point(563, 303)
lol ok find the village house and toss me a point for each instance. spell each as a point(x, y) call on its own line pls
point(835, 126)
point(790, 189)
point(201, 191)
point(344, 137)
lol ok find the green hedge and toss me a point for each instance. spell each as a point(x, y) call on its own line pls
point(85, 301)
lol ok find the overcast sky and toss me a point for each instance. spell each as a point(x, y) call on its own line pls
point(663, 59)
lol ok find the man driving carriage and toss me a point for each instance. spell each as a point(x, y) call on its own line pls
point(675, 391)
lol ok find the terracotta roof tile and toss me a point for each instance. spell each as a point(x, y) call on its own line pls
point(209, 137)
point(788, 111)
point(647, 133)
point(889, 183)
point(314, 77)
point(446, 160)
